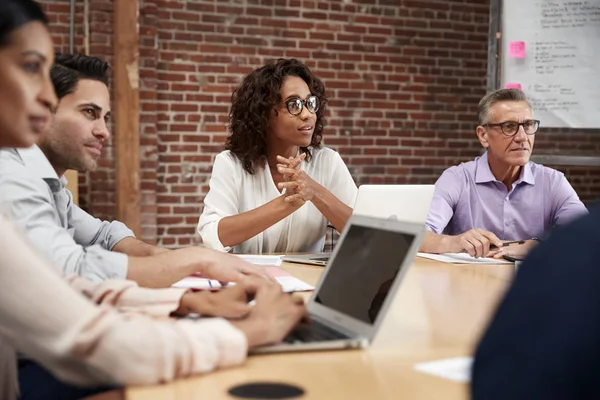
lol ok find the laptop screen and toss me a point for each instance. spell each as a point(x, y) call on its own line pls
point(363, 271)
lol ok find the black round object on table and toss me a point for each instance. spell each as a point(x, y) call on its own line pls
point(266, 390)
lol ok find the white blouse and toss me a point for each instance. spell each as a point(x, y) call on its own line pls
point(234, 191)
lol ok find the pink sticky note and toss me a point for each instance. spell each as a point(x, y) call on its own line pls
point(512, 86)
point(516, 49)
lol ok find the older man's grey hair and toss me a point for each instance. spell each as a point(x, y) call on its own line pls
point(485, 105)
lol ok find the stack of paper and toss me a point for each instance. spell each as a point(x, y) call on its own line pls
point(287, 282)
point(462, 258)
point(259, 259)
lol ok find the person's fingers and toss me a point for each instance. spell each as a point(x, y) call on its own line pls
point(293, 198)
point(286, 170)
point(264, 291)
point(256, 276)
point(297, 300)
point(479, 243)
point(288, 185)
point(239, 310)
point(283, 160)
point(238, 290)
point(286, 166)
point(225, 278)
point(291, 162)
point(499, 254)
point(286, 176)
point(301, 313)
point(485, 242)
point(258, 272)
point(491, 237)
point(493, 253)
point(469, 247)
point(251, 284)
point(296, 174)
point(298, 160)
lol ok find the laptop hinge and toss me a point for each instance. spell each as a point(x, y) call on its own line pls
point(350, 334)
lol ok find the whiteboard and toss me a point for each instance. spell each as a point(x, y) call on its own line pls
point(560, 69)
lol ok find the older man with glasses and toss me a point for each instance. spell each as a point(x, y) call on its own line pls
point(500, 196)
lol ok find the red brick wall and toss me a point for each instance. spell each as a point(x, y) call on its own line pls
point(403, 77)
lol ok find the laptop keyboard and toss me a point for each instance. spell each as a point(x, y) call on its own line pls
point(313, 332)
point(320, 259)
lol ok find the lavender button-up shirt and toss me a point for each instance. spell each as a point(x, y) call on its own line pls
point(468, 196)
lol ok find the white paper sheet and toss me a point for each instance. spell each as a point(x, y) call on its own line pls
point(457, 369)
point(462, 258)
point(288, 282)
point(293, 284)
point(259, 259)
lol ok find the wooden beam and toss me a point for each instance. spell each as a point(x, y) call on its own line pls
point(73, 184)
point(126, 108)
point(494, 45)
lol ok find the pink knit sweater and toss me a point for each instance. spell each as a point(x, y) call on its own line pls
point(125, 338)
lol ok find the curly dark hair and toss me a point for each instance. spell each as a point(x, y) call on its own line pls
point(251, 105)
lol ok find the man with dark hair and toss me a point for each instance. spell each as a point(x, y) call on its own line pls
point(80, 124)
point(502, 195)
point(32, 190)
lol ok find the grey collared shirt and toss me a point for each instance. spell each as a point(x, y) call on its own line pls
point(37, 199)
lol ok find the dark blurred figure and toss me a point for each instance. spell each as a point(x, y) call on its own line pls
point(544, 341)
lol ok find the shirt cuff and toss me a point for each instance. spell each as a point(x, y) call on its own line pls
point(154, 302)
point(232, 344)
point(117, 232)
point(102, 264)
point(229, 342)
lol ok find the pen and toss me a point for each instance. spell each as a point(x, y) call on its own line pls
point(505, 244)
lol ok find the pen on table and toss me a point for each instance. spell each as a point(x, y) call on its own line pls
point(506, 244)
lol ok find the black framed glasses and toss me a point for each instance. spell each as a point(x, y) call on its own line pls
point(510, 128)
point(295, 105)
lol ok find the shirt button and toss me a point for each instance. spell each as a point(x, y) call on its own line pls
point(507, 223)
point(506, 199)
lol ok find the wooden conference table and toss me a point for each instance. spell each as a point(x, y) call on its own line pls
point(440, 312)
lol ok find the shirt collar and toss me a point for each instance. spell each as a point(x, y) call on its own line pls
point(36, 162)
point(483, 173)
point(526, 175)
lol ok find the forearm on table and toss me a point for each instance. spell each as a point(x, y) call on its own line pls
point(164, 269)
point(332, 208)
point(434, 243)
point(136, 248)
point(127, 296)
point(236, 229)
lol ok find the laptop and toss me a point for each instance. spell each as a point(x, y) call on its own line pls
point(408, 203)
point(358, 286)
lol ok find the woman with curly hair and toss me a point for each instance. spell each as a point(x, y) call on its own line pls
point(275, 187)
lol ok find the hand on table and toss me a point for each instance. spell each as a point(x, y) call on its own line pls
point(273, 316)
point(229, 268)
point(476, 242)
point(519, 251)
point(231, 302)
